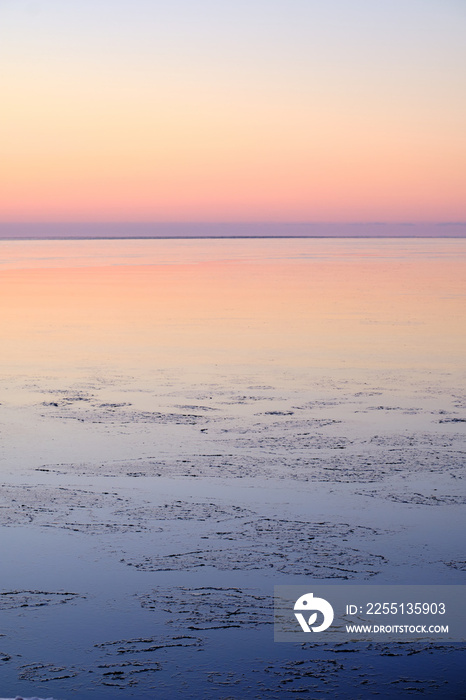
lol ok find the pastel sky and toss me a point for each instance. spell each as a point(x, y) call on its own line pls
point(233, 110)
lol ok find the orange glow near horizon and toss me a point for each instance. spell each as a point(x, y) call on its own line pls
point(332, 130)
point(224, 168)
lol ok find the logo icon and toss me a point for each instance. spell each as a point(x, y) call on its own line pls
point(307, 603)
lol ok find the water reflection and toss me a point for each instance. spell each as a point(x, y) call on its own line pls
point(312, 303)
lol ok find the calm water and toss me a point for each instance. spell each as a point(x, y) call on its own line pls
point(308, 303)
point(176, 415)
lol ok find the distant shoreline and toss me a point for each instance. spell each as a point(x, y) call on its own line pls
point(197, 230)
point(206, 238)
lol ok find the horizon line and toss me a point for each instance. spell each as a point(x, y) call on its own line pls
point(153, 230)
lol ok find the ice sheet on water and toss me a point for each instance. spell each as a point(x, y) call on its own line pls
point(20, 697)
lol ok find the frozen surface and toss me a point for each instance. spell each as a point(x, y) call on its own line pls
point(240, 435)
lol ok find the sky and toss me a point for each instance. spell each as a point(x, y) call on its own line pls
point(233, 110)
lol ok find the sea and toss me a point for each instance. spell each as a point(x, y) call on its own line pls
point(188, 422)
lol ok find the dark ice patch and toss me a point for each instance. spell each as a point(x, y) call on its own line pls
point(46, 672)
point(184, 510)
point(325, 550)
point(10, 600)
point(65, 508)
point(209, 607)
